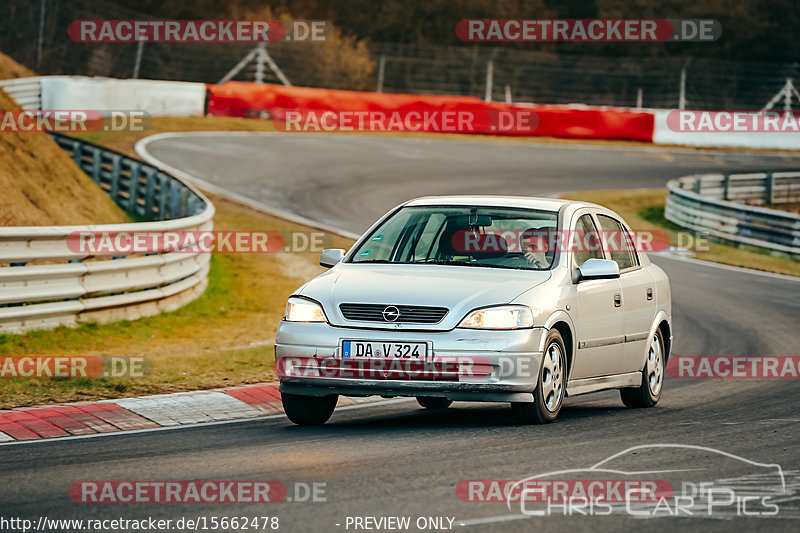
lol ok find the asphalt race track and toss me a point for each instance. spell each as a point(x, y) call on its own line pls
point(393, 458)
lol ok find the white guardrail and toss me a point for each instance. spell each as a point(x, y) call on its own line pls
point(27, 92)
point(44, 283)
point(711, 203)
point(157, 98)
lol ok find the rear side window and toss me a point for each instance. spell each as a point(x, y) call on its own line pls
point(586, 235)
point(618, 242)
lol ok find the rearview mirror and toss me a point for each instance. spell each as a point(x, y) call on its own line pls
point(330, 256)
point(598, 269)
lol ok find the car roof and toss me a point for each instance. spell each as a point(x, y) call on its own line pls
point(525, 202)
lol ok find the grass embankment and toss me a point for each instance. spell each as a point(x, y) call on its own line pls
point(41, 184)
point(643, 210)
point(10, 69)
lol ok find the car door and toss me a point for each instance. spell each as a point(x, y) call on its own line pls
point(638, 292)
point(598, 317)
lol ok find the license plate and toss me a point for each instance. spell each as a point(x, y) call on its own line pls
point(387, 350)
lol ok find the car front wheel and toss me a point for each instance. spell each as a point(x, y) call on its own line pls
point(649, 392)
point(308, 410)
point(549, 394)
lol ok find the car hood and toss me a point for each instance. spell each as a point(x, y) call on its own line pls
point(458, 288)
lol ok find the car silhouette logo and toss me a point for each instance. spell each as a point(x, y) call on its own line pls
point(391, 314)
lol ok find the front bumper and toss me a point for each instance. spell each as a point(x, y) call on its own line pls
point(466, 365)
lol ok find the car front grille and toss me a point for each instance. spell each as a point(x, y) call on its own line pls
point(408, 314)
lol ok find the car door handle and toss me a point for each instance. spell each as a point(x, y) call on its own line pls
point(617, 300)
point(649, 293)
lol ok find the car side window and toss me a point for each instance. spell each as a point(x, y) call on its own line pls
point(618, 242)
point(586, 241)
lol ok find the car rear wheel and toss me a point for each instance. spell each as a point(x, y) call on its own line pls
point(649, 392)
point(549, 394)
point(308, 410)
point(431, 402)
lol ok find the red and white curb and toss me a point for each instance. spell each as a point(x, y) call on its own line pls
point(147, 412)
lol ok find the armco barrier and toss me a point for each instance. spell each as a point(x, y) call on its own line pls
point(27, 92)
point(44, 283)
point(710, 203)
point(241, 99)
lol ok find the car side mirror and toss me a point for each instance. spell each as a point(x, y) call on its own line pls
point(329, 257)
point(598, 269)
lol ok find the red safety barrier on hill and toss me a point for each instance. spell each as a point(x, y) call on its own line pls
point(312, 109)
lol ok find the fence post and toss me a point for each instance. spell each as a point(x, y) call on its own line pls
point(682, 96)
point(489, 80)
point(138, 62)
point(40, 41)
point(381, 70)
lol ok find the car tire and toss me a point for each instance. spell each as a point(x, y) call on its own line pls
point(432, 402)
point(550, 385)
point(649, 392)
point(308, 410)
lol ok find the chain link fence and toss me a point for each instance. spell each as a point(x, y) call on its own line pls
point(35, 34)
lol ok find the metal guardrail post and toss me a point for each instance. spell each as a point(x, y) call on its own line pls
point(77, 154)
point(162, 196)
point(770, 188)
point(97, 165)
point(150, 192)
point(726, 186)
point(115, 177)
point(133, 189)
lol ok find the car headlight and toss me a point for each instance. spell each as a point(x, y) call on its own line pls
point(500, 317)
point(302, 310)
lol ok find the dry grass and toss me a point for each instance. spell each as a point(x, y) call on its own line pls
point(41, 184)
point(10, 69)
point(643, 209)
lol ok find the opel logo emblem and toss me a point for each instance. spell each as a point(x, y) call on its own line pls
point(391, 314)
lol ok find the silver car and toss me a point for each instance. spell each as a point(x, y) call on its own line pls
point(479, 298)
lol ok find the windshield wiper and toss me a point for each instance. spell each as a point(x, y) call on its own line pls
point(470, 263)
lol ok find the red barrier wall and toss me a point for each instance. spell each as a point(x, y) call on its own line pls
point(240, 99)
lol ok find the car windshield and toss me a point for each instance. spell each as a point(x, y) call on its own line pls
point(494, 237)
